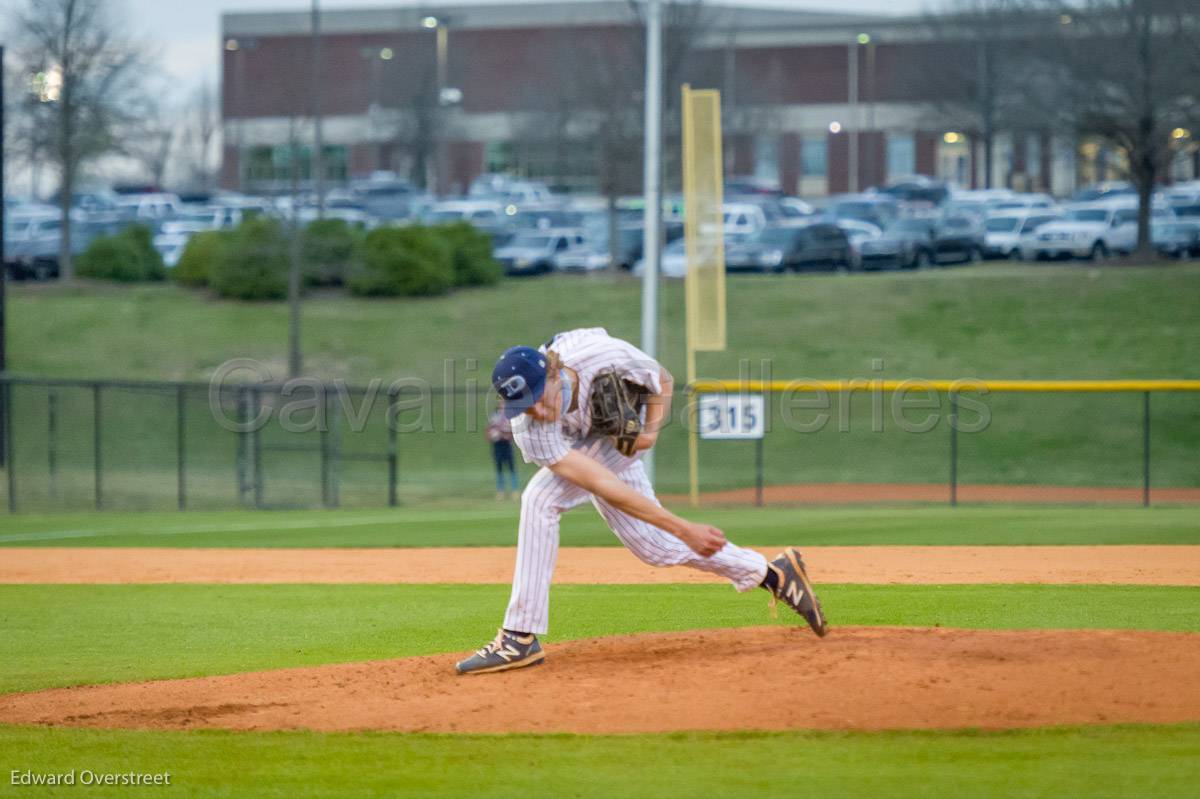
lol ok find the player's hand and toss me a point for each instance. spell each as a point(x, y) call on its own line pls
point(645, 441)
point(703, 539)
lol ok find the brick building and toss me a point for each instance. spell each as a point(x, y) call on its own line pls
point(818, 102)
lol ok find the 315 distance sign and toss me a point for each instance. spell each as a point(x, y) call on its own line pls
point(733, 416)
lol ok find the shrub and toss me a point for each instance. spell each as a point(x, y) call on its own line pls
point(128, 256)
point(327, 251)
point(471, 254)
point(403, 261)
point(199, 257)
point(254, 263)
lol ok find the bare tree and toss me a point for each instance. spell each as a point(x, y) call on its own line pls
point(591, 100)
point(200, 121)
point(1126, 72)
point(89, 75)
point(977, 68)
point(152, 140)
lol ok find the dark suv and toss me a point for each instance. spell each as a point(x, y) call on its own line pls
point(814, 246)
point(923, 241)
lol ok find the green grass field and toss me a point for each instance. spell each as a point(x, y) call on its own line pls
point(495, 524)
point(994, 321)
point(997, 321)
point(1116, 762)
point(61, 635)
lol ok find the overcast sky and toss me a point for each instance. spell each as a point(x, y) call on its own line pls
point(186, 32)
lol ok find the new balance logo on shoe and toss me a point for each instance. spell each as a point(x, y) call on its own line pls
point(793, 592)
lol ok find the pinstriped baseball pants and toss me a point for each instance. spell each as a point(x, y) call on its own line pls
point(548, 496)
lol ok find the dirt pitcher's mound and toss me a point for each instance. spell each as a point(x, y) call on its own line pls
point(751, 678)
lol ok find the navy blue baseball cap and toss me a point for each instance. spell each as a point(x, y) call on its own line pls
point(519, 378)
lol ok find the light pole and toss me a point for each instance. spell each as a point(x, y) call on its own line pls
point(376, 56)
point(652, 190)
point(318, 159)
point(446, 95)
point(853, 123)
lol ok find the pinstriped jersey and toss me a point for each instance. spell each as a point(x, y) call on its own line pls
point(588, 351)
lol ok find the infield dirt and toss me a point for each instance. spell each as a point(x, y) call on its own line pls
point(759, 678)
point(1130, 565)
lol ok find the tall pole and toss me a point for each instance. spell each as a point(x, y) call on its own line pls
point(852, 119)
point(318, 159)
point(652, 189)
point(443, 51)
point(3, 280)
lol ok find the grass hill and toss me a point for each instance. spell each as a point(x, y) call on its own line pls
point(993, 321)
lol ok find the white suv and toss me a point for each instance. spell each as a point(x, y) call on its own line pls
point(1089, 230)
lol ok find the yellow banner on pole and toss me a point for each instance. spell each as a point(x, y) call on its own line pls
point(704, 226)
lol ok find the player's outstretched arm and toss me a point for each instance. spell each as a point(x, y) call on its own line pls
point(595, 478)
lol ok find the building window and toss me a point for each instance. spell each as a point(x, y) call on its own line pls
point(271, 167)
point(901, 155)
point(498, 156)
point(814, 158)
point(766, 158)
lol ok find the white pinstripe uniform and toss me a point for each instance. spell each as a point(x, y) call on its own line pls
point(548, 496)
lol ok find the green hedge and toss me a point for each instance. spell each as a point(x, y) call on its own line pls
point(254, 265)
point(252, 262)
point(199, 257)
point(329, 251)
point(128, 256)
point(471, 251)
point(404, 262)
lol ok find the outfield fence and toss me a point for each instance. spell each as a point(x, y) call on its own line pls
point(137, 445)
point(1021, 440)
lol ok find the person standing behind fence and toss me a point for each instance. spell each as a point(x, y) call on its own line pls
point(499, 432)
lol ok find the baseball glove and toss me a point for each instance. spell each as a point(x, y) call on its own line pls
point(616, 405)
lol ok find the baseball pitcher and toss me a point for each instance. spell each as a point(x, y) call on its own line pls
point(584, 407)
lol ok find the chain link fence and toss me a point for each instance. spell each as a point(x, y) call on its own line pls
point(79, 445)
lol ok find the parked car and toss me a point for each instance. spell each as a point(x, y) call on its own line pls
point(856, 233)
point(673, 260)
point(1024, 202)
point(170, 247)
point(1091, 230)
point(1006, 229)
point(795, 208)
point(917, 242)
point(31, 241)
point(532, 252)
point(594, 253)
point(878, 209)
point(1107, 190)
point(1177, 239)
point(795, 247)
point(917, 188)
point(743, 218)
point(543, 217)
point(977, 202)
point(486, 215)
point(152, 208)
point(384, 196)
point(507, 190)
